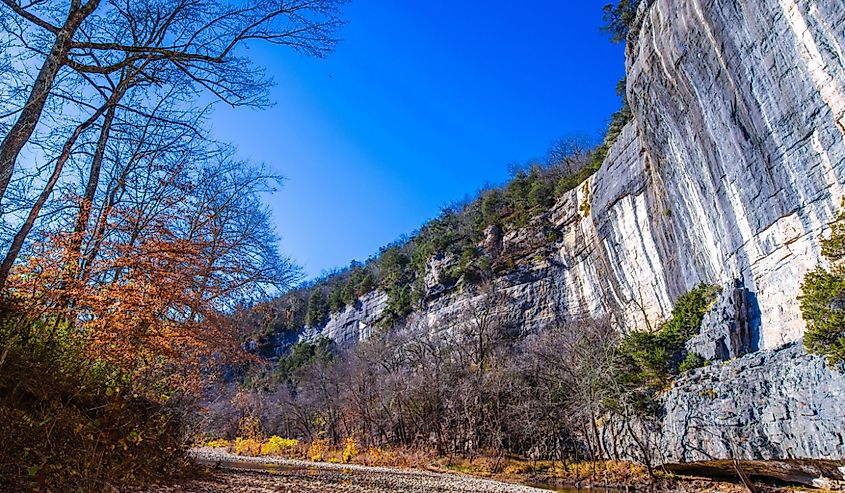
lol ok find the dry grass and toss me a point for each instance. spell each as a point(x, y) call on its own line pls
point(604, 472)
point(513, 468)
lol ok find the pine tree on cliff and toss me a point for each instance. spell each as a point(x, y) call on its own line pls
point(618, 19)
point(318, 309)
point(823, 299)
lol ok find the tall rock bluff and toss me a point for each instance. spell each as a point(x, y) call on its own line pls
point(730, 170)
point(738, 153)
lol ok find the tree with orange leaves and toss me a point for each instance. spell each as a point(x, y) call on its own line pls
point(152, 293)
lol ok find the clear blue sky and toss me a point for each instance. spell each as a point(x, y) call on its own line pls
point(423, 103)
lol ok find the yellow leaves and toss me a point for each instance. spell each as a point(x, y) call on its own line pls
point(250, 427)
point(277, 445)
point(318, 449)
point(218, 443)
point(247, 446)
point(254, 447)
point(375, 455)
point(350, 449)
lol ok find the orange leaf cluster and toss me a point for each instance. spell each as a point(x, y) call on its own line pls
point(148, 306)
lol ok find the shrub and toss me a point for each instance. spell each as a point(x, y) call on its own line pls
point(318, 449)
point(277, 445)
point(249, 427)
point(350, 449)
point(688, 313)
point(375, 455)
point(70, 424)
point(247, 446)
point(692, 361)
point(653, 358)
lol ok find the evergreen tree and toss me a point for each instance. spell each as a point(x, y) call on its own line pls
point(516, 196)
point(366, 284)
point(823, 299)
point(393, 264)
point(619, 18)
point(491, 208)
point(318, 309)
point(348, 294)
point(540, 195)
point(400, 302)
point(336, 302)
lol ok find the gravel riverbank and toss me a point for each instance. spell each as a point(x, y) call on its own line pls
point(238, 474)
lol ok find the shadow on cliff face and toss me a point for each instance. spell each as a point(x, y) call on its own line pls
point(754, 320)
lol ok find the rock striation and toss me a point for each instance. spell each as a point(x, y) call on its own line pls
point(740, 112)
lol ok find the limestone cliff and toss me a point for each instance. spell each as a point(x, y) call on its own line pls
point(740, 116)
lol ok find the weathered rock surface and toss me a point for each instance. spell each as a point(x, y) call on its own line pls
point(727, 329)
point(353, 323)
point(777, 404)
point(740, 108)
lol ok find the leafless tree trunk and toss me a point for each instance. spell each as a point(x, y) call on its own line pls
point(22, 129)
point(29, 222)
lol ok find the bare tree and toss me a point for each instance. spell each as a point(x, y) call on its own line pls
point(568, 155)
point(54, 59)
point(135, 56)
point(574, 364)
point(197, 38)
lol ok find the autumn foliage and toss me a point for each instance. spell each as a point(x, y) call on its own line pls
point(105, 336)
point(151, 317)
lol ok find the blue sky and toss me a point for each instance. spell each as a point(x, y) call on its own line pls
point(423, 103)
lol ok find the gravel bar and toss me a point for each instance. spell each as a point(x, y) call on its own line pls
point(238, 474)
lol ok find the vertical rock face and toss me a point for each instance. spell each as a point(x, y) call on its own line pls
point(740, 111)
point(732, 167)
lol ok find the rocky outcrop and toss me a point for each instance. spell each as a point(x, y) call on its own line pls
point(727, 328)
point(778, 404)
point(352, 324)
